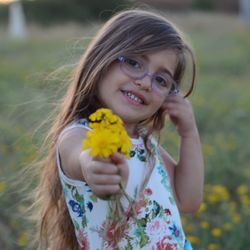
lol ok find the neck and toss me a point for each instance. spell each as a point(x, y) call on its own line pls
point(131, 130)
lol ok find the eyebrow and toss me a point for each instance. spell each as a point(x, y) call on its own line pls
point(165, 70)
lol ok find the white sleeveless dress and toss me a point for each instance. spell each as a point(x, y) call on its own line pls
point(157, 225)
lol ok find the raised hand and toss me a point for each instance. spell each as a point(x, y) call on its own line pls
point(180, 112)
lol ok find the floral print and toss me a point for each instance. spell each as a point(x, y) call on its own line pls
point(139, 152)
point(153, 223)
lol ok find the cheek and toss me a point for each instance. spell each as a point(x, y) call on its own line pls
point(110, 80)
point(158, 102)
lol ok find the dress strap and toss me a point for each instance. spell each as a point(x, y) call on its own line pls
point(82, 123)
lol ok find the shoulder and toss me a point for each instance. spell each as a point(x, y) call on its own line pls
point(168, 161)
point(69, 148)
point(71, 138)
point(72, 135)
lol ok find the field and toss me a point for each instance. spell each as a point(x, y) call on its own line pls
point(33, 75)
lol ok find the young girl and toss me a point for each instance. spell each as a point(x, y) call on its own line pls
point(134, 67)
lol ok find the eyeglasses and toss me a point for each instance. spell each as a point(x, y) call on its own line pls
point(161, 83)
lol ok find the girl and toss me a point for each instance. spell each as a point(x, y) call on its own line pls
point(134, 67)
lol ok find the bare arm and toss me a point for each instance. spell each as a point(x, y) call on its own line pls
point(187, 176)
point(102, 175)
point(189, 173)
point(70, 146)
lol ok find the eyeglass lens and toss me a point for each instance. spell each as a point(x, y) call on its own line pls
point(161, 83)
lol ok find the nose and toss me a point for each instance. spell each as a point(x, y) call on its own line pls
point(145, 82)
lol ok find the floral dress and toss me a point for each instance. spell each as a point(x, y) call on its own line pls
point(157, 224)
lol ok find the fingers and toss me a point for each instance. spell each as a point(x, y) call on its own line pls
point(103, 191)
point(175, 105)
point(99, 167)
point(104, 176)
point(121, 163)
point(106, 179)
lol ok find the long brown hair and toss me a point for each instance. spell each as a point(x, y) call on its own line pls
point(133, 32)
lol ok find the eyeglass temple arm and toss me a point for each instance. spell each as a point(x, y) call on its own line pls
point(174, 90)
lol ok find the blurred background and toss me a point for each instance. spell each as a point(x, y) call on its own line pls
point(40, 43)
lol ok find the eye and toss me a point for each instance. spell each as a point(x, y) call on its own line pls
point(162, 82)
point(133, 63)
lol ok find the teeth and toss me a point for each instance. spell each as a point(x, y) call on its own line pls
point(133, 97)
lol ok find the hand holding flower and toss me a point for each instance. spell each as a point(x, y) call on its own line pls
point(109, 142)
point(106, 170)
point(104, 175)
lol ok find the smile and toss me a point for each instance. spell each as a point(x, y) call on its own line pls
point(133, 97)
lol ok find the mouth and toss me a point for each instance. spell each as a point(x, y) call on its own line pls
point(134, 97)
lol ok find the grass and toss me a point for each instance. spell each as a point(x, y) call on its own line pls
point(29, 90)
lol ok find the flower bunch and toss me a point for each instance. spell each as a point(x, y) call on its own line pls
point(107, 135)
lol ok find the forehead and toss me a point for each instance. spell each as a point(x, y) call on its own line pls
point(163, 59)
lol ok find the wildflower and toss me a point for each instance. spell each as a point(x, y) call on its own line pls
point(242, 189)
point(22, 240)
point(212, 246)
point(102, 142)
point(106, 117)
point(107, 135)
point(216, 232)
point(193, 239)
point(216, 194)
point(202, 208)
point(184, 221)
point(189, 228)
point(2, 187)
point(204, 225)
point(221, 192)
point(227, 226)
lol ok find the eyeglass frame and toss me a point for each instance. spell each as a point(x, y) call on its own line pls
point(174, 90)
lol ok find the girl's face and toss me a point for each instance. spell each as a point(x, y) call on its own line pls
point(135, 100)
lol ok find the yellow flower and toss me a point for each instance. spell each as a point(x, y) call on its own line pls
point(189, 228)
point(125, 144)
point(208, 150)
point(216, 194)
point(236, 218)
point(202, 208)
point(212, 246)
point(184, 221)
point(242, 189)
point(103, 143)
point(106, 117)
point(216, 232)
point(193, 239)
point(107, 135)
point(221, 192)
point(2, 187)
point(227, 226)
point(204, 225)
point(22, 240)
point(212, 199)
